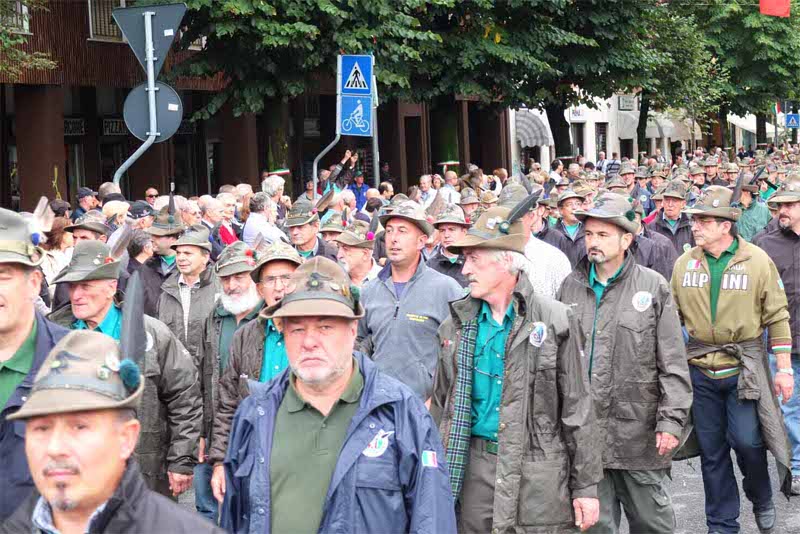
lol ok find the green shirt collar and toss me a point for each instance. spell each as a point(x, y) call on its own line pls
point(110, 325)
point(593, 281)
point(731, 250)
point(169, 260)
point(351, 394)
point(22, 359)
point(485, 313)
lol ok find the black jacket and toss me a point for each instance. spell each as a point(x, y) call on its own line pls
point(648, 253)
point(216, 244)
point(152, 278)
point(575, 245)
point(131, 509)
point(441, 263)
point(783, 248)
point(681, 236)
point(16, 479)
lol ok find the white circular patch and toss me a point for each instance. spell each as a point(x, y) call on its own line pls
point(538, 334)
point(643, 199)
point(150, 342)
point(642, 300)
point(715, 203)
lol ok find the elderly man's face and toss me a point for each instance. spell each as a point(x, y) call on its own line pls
point(485, 271)
point(275, 280)
point(214, 214)
point(228, 209)
point(469, 209)
point(19, 287)
point(304, 234)
point(424, 183)
point(90, 298)
point(191, 260)
point(191, 216)
point(319, 348)
point(239, 293)
point(350, 257)
point(77, 459)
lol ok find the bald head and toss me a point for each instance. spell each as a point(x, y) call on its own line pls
point(450, 178)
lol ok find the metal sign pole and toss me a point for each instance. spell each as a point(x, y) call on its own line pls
point(338, 123)
point(151, 97)
point(376, 167)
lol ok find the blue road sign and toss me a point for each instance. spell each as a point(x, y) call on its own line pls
point(793, 120)
point(356, 78)
point(356, 117)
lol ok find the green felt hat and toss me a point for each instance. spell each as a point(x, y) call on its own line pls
point(17, 243)
point(91, 260)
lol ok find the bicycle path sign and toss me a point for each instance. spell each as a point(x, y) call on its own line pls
point(355, 94)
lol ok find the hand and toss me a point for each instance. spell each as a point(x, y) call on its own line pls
point(354, 158)
point(218, 482)
point(665, 442)
point(286, 201)
point(179, 483)
point(201, 451)
point(347, 155)
point(784, 386)
point(587, 512)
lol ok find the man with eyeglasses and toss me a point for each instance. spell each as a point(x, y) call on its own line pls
point(257, 352)
point(151, 195)
point(728, 293)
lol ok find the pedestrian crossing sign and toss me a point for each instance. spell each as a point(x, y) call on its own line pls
point(793, 120)
point(356, 75)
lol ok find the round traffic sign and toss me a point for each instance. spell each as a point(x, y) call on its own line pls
point(169, 111)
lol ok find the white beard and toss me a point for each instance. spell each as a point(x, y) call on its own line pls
point(241, 303)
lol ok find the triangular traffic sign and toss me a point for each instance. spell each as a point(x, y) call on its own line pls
point(793, 123)
point(356, 79)
point(166, 23)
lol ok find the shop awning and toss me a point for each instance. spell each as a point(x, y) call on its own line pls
point(532, 130)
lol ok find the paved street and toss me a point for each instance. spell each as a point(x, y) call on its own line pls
point(687, 494)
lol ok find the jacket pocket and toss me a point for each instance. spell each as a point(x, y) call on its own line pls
point(632, 429)
point(636, 337)
point(544, 497)
point(379, 498)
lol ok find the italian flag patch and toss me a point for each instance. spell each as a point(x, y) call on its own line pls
point(429, 459)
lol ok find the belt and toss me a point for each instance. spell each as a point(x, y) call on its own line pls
point(486, 445)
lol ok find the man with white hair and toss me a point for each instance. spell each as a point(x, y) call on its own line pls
point(511, 395)
point(273, 186)
point(238, 305)
point(263, 212)
point(229, 229)
point(427, 193)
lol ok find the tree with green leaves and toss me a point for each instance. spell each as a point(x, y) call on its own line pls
point(760, 53)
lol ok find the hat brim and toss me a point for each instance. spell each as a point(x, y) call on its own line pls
point(424, 226)
point(163, 232)
point(300, 222)
point(105, 271)
point(629, 226)
point(58, 401)
point(234, 268)
point(510, 242)
point(205, 246)
point(320, 307)
point(255, 273)
point(22, 259)
point(92, 227)
point(465, 224)
point(730, 214)
point(351, 241)
point(783, 198)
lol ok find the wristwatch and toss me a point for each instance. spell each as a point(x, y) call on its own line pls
point(789, 372)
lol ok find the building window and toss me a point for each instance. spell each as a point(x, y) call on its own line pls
point(101, 22)
point(15, 16)
point(601, 137)
point(578, 145)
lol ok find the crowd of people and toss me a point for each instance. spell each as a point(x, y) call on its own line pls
point(484, 353)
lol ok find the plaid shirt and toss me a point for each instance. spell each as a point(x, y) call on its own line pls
point(461, 425)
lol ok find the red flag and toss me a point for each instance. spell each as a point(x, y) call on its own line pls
point(775, 8)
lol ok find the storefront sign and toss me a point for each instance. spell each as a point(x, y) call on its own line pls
point(577, 114)
point(74, 126)
point(626, 102)
point(114, 127)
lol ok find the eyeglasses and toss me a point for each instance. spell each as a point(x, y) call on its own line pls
point(271, 280)
point(152, 196)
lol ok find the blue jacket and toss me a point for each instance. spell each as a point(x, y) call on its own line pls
point(16, 479)
point(360, 193)
point(393, 492)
